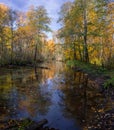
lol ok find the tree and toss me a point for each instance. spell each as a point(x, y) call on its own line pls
point(12, 17)
point(66, 32)
point(3, 23)
point(110, 34)
point(39, 21)
point(85, 31)
point(84, 28)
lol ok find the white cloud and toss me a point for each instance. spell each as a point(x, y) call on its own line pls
point(52, 6)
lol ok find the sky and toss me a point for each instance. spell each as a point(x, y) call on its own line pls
point(52, 6)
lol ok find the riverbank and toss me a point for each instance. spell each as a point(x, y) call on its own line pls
point(26, 65)
point(104, 79)
point(104, 75)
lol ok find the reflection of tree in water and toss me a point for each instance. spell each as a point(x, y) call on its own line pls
point(3, 105)
point(5, 88)
point(24, 94)
point(81, 100)
point(28, 93)
point(35, 102)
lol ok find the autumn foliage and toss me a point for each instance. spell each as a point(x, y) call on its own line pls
point(88, 31)
point(22, 35)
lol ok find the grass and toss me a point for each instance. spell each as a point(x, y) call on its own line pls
point(96, 71)
point(109, 82)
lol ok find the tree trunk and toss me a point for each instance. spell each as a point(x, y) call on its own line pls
point(35, 54)
point(74, 50)
point(85, 49)
point(12, 46)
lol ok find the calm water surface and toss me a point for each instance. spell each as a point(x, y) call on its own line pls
point(68, 100)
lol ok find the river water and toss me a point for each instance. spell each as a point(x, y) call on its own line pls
point(68, 100)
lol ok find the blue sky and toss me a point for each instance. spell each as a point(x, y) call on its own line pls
point(52, 6)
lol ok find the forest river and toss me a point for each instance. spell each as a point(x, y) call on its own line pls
point(68, 100)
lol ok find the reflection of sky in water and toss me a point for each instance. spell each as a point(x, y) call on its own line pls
point(55, 115)
point(36, 100)
point(14, 98)
point(37, 95)
point(51, 94)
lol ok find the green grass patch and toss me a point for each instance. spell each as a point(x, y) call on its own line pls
point(109, 82)
point(93, 70)
point(87, 67)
